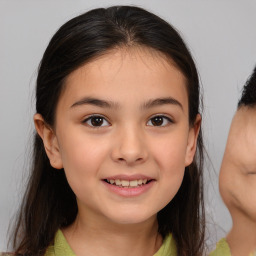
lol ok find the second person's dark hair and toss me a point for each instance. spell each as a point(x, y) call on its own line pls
point(249, 91)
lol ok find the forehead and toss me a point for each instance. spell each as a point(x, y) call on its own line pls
point(135, 72)
point(137, 58)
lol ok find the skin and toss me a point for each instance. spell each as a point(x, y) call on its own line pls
point(238, 181)
point(127, 143)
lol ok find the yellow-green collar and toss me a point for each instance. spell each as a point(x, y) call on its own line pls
point(61, 247)
point(222, 249)
point(168, 247)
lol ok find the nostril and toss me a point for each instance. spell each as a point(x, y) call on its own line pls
point(121, 159)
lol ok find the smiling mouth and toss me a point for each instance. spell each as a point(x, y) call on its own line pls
point(128, 183)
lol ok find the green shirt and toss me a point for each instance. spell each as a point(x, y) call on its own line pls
point(61, 247)
point(222, 249)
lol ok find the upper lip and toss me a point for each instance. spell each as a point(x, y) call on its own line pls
point(128, 177)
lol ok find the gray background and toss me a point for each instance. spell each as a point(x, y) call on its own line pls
point(220, 34)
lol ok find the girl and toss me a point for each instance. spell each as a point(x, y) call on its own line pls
point(118, 126)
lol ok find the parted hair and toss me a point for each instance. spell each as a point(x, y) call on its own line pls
point(49, 203)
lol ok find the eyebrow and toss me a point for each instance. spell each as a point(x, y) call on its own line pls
point(110, 104)
point(161, 101)
point(96, 102)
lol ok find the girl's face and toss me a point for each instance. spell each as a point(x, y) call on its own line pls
point(122, 135)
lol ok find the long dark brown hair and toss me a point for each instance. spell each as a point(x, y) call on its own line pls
point(49, 203)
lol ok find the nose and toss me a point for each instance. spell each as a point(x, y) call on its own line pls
point(130, 147)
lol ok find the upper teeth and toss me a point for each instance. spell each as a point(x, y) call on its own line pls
point(127, 183)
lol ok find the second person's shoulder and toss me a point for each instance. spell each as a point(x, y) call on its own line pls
point(222, 249)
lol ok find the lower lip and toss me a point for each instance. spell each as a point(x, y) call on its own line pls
point(131, 191)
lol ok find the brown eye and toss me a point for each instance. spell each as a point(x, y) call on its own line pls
point(96, 121)
point(159, 121)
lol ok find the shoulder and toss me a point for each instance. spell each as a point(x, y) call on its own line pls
point(222, 249)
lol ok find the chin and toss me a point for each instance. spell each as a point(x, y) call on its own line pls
point(131, 218)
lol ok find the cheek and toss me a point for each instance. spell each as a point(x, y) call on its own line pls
point(170, 158)
point(238, 190)
point(81, 150)
point(245, 191)
point(82, 158)
point(170, 153)
point(229, 183)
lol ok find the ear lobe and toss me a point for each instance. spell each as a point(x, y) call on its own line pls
point(192, 140)
point(50, 141)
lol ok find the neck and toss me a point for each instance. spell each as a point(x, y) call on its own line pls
point(101, 237)
point(242, 237)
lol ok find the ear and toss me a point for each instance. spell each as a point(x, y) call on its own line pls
point(50, 141)
point(192, 140)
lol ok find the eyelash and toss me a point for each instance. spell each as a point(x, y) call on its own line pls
point(166, 120)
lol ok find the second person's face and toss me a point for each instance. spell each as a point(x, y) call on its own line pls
point(238, 170)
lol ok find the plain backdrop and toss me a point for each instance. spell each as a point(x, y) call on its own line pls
point(220, 34)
